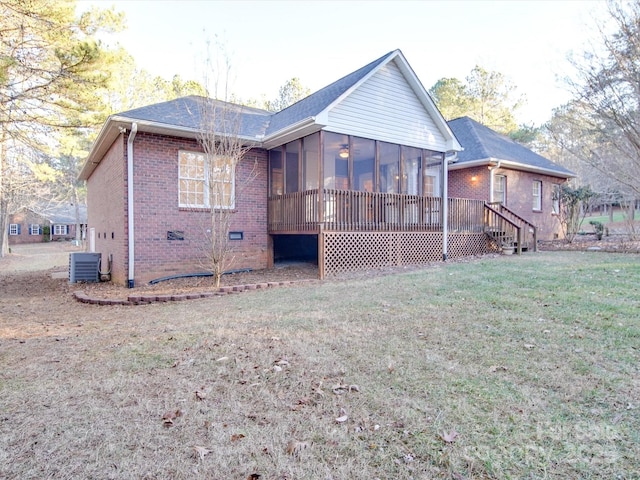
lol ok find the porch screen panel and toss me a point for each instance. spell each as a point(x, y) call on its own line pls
point(292, 167)
point(411, 171)
point(389, 167)
point(276, 172)
point(432, 173)
point(336, 161)
point(364, 152)
point(311, 157)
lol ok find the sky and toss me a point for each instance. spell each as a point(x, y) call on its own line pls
point(270, 42)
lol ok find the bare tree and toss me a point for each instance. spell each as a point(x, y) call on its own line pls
point(225, 151)
point(607, 92)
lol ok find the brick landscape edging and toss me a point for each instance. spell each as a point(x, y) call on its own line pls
point(146, 299)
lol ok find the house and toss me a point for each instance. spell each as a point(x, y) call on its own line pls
point(353, 176)
point(494, 168)
point(46, 223)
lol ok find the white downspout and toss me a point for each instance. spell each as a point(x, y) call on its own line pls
point(445, 207)
point(491, 181)
point(131, 224)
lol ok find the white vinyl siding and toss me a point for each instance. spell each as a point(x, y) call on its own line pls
point(386, 108)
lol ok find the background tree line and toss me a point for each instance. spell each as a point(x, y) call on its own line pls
point(59, 83)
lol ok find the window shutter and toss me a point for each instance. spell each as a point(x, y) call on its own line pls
point(19, 229)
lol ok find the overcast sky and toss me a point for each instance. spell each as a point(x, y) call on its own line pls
point(319, 42)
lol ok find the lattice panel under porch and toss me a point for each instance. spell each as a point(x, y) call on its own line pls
point(353, 251)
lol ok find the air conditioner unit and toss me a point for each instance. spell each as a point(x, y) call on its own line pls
point(84, 267)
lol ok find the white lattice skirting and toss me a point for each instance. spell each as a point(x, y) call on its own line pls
point(352, 251)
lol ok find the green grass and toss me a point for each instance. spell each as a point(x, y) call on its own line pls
point(618, 216)
point(533, 360)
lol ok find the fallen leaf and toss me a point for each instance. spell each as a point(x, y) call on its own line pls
point(282, 362)
point(167, 418)
point(529, 346)
point(200, 395)
point(497, 368)
point(277, 368)
point(295, 448)
point(202, 451)
point(237, 436)
point(354, 388)
point(254, 476)
point(222, 359)
point(449, 437)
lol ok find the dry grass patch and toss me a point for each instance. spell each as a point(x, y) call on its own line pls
point(514, 367)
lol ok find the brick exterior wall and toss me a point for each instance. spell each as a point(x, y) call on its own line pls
point(519, 193)
point(156, 211)
point(24, 219)
point(107, 209)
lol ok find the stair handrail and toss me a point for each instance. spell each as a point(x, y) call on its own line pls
point(518, 217)
point(515, 226)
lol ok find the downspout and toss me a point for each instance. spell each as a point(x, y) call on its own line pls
point(131, 224)
point(445, 207)
point(491, 170)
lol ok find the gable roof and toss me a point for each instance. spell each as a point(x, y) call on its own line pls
point(484, 146)
point(184, 117)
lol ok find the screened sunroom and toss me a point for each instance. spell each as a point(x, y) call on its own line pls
point(331, 181)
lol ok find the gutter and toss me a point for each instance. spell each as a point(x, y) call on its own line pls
point(131, 224)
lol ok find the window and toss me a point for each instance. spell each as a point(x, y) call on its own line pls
point(500, 189)
point(537, 195)
point(35, 229)
point(14, 229)
point(60, 229)
point(555, 205)
point(193, 181)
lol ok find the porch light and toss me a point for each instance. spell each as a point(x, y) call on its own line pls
point(474, 178)
point(344, 152)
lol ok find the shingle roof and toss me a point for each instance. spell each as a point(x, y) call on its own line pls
point(318, 101)
point(188, 111)
point(480, 143)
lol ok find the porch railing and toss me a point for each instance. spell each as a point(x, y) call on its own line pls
point(528, 233)
point(346, 210)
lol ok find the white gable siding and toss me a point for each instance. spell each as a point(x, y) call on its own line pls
point(386, 108)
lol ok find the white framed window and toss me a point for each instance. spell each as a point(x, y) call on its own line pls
point(35, 229)
point(61, 229)
point(555, 200)
point(500, 189)
point(14, 229)
point(194, 177)
point(537, 195)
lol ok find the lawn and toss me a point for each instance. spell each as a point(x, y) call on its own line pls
point(516, 367)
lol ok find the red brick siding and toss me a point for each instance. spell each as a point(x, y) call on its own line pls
point(24, 219)
point(461, 184)
point(156, 211)
point(519, 194)
point(107, 209)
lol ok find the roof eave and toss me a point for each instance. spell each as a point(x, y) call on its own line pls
point(511, 164)
point(115, 125)
point(299, 129)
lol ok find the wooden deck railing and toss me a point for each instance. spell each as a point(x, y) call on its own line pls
point(345, 210)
